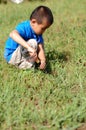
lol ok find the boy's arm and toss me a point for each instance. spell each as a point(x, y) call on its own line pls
point(41, 56)
point(16, 37)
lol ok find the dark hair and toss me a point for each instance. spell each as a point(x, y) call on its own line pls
point(40, 13)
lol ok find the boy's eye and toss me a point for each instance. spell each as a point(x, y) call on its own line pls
point(43, 28)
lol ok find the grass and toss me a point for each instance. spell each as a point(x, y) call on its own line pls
point(54, 99)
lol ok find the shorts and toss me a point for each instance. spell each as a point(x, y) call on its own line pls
point(21, 58)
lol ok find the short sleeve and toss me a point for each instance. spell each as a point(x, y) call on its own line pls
point(24, 29)
point(21, 29)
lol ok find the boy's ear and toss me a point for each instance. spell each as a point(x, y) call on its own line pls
point(33, 21)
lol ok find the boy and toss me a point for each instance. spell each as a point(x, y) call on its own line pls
point(25, 44)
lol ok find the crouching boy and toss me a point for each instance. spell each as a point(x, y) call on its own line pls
point(25, 44)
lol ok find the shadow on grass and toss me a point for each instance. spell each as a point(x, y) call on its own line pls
point(55, 56)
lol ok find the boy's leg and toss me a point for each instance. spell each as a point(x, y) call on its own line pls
point(21, 57)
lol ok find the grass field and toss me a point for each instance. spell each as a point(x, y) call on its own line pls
point(54, 99)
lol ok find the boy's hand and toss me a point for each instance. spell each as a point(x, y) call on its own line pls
point(32, 53)
point(42, 65)
point(31, 50)
point(33, 57)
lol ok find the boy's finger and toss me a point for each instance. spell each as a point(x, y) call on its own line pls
point(42, 66)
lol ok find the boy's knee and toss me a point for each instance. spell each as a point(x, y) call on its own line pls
point(32, 43)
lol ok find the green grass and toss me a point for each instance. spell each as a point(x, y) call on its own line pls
point(54, 99)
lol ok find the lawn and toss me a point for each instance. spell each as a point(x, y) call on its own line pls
point(54, 99)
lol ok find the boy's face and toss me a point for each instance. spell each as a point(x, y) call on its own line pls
point(39, 28)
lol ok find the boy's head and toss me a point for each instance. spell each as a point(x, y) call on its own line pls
point(41, 18)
